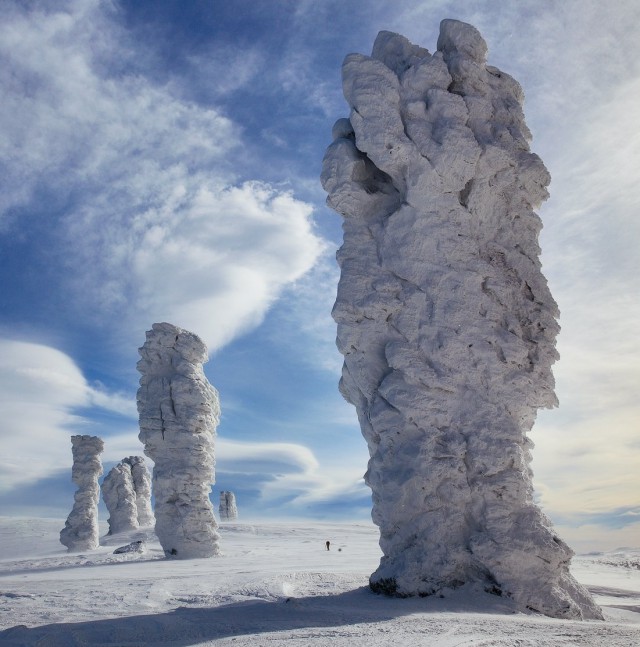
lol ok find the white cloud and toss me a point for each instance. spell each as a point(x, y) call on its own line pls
point(243, 457)
point(123, 444)
point(306, 307)
point(229, 69)
point(41, 389)
point(338, 486)
point(216, 265)
point(291, 471)
point(99, 396)
point(592, 231)
point(152, 226)
point(586, 456)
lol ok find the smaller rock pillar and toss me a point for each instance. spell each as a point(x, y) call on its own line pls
point(142, 488)
point(228, 509)
point(120, 499)
point(81, 528)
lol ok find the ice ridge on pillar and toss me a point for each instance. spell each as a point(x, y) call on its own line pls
point(81, 530)
point(178, 414)
point(445, 320)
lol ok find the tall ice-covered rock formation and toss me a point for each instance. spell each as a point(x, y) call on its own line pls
point(228, 509)
point(179, 412)
point(81, 531)
point(126, 491)
point(445, 320)
point(142, 488)
point(120, 498)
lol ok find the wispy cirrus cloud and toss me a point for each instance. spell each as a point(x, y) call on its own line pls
point(585, 461)
point(135, 186)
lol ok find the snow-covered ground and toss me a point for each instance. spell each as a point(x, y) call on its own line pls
point(275, 583)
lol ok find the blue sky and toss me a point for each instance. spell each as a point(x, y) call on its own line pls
point(159, 161)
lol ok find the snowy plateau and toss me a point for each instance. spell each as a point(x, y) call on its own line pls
point(274, 583)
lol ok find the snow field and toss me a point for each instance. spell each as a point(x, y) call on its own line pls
point(274, 583)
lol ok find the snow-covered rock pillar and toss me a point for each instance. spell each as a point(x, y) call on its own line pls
point(81, 528)
point(445, 320)
point(142, 488)
point(228, 510)
point(179, 413)
point(120, 498)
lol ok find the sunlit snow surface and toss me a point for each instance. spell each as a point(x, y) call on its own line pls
point(275, 583)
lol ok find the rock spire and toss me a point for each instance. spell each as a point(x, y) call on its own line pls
point(142, 488)
point(228, 510)
point(81, 528)
point(179, 412)
point(445, 320)
point(120, 498)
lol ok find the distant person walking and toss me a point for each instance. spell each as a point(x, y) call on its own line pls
point(328, 543)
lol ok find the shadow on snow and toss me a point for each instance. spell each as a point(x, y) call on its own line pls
point(186, 626)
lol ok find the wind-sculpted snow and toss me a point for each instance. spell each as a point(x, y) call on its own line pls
point(81, 531)
point(228, 510)
point(142, 488)
point(179, 413)
point(445, 320)
point(120, 499)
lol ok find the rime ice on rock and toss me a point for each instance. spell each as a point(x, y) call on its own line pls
point(445, 320)
point(228, 509)
point(142, 488)
point(81, 528)
point(179, 413)
point(120, 499)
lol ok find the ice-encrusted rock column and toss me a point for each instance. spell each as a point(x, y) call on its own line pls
point(142, 488)
point(179, 413)
point(120, 498)
point(445, 320)
point(81, 531)
point(228, 510)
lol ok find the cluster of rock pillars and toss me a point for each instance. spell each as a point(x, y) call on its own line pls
point(178, 412)
point(446, 325)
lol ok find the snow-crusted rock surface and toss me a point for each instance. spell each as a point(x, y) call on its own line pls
point(120, 499)
point(142, 488)
point(445, 320)
point(179, 413)
point(80, 531)
point(228, 509)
